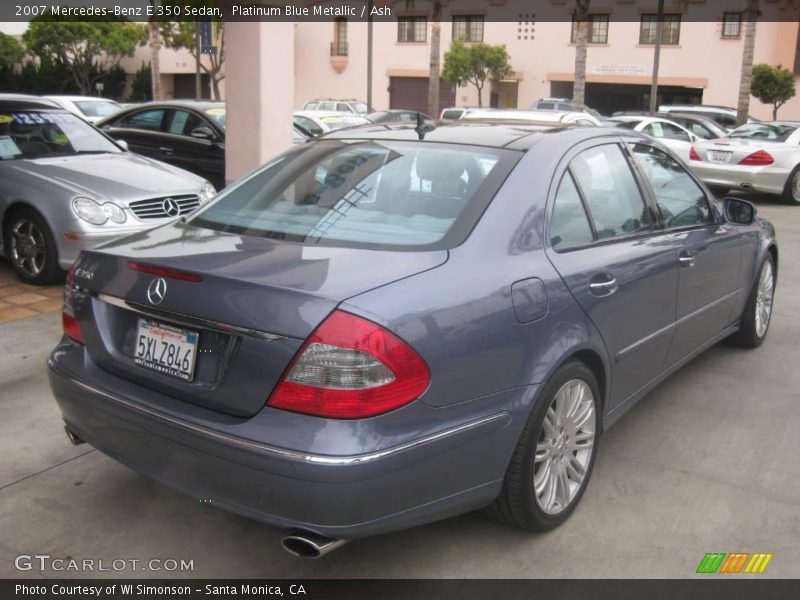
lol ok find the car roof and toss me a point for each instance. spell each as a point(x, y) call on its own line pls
point(521, 135)
point(196, 104)
point(26, 102)
point(80, 98)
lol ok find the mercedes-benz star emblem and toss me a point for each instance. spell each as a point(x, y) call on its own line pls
point(171, 207)
point(157, 290)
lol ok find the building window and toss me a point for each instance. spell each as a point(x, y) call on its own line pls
point(731, 25)
point(598, 30)
point(339, 44)
point(470, 28)
point(670, 29)
point(412, 29)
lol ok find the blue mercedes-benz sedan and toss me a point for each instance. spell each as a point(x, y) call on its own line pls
point(396, 324)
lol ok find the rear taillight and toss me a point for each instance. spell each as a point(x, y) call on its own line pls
point(351, 368)
point(693, 155)
point(760, 158)
point(68, 320)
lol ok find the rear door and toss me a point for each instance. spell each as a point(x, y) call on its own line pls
point(605, 243)
point(203, 156)
point(142, 130)
point(709, 251)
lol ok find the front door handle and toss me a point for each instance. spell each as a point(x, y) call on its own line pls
point(687, 259)
point(603, 285)
point(166, 150)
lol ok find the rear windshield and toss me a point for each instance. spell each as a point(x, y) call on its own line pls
point(775, 132)
point(365, 194)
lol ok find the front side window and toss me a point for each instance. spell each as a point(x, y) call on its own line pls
point(670, 29)
point(149, 120)
point(34, 134)
point(184, 123)
point(569, 225)
point(681, 202)
point(612, 196)
point(597, 32)
point(666, 131)
point(731, 24)
point(365, 194)
point(469, 28)
point(412, 29)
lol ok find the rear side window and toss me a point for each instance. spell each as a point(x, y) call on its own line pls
point(147, 119)
point(681, 202)
point(375, 194)
point(569, 225)
point(452, 114)
point(610, 190)
point(183, 122)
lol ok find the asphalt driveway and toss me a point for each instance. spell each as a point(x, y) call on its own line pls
point(708, 462)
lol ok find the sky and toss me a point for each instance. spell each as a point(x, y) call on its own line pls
point(13, 28)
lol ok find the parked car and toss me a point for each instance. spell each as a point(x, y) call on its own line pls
point(562, 105)
point(724, 116)
point(186, 133)
point(676, 137)
point(541, 116)
point(701, 126)
point(760, 157)
point(349, 105)
point(396, 116)
point(90, 108)
point(395, 330)
point(317, 122)
point(454, 113)
point(66, 187)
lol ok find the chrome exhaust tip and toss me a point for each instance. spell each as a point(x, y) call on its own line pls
point(305, 544)
point(73, 438)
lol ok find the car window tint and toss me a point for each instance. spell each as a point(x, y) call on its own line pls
point(310, 126)
point(310, 106)
point(368, 194)
point(326, 106)
point(145, 119)
point(673, 132)
point(569, 225)
point(546, 105)
point(613, 197)
point(183, 122)
point(342, 107)
point(681, 202)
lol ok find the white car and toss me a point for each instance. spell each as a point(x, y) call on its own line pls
point(760, 157)
point(724, 116)
point(89, 108)
point(675, 137)
point(317, 122)
point(538, 116)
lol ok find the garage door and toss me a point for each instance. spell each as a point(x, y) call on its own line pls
point(411, 93)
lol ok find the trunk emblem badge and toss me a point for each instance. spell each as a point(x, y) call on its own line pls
point(157, 290)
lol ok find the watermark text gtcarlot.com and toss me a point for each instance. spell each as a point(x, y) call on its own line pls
point(46, 562)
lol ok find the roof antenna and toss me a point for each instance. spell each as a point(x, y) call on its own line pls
point(423, 126)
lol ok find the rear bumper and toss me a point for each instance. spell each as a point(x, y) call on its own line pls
point(453, 470)
point(767, 180)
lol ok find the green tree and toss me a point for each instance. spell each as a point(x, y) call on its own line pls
point(141, 86)
point(182, 35)
point(772, 85)
point(11, 50)
point(475, 63)
point(91, 49)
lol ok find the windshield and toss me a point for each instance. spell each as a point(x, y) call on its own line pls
point(35, 134)
point(97, 108)
point(366, 194)
point(360, 108)
point(776, 132)
point(218, 114)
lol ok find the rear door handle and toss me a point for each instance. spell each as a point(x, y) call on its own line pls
point(686, 259)
point(166, 150)
point(603, 285)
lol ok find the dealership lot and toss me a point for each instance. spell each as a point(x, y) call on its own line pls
point(706, 463)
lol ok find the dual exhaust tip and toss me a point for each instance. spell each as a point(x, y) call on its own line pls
point(303, 544)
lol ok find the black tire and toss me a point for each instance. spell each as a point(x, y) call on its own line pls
point(49, 271)
point(748, 335)
point(791, 192)
point(517, 504)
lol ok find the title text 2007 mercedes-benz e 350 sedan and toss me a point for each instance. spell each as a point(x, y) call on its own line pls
point(376, 330)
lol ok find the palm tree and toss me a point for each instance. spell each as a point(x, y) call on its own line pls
point(750, 18)
point(155, 54)
point(435, 62)
point(581, 34)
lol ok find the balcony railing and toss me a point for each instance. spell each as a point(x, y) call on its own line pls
point(339, 48)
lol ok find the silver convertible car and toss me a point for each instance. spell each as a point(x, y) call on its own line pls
point(391, 324)
point(65, 186)
point(759, 157)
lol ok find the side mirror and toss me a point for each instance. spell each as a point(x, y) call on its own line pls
point(123, 144)
point(202, 133)
point(692, 138)
point(740, 211)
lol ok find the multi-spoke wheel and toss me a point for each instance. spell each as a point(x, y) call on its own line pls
point(555, 454)
point(758, 310)
point(791, 193)
point(30, 248)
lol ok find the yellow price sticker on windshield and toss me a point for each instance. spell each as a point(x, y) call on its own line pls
point(216, 111)
point(5, 119)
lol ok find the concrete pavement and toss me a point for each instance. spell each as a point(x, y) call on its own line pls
point(708, 462)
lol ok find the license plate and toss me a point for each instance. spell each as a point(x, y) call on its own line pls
point(166, 349)
point(719, 155)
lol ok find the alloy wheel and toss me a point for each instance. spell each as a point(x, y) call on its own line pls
point(27, 247)
point(766, 287)
point(564, 447)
